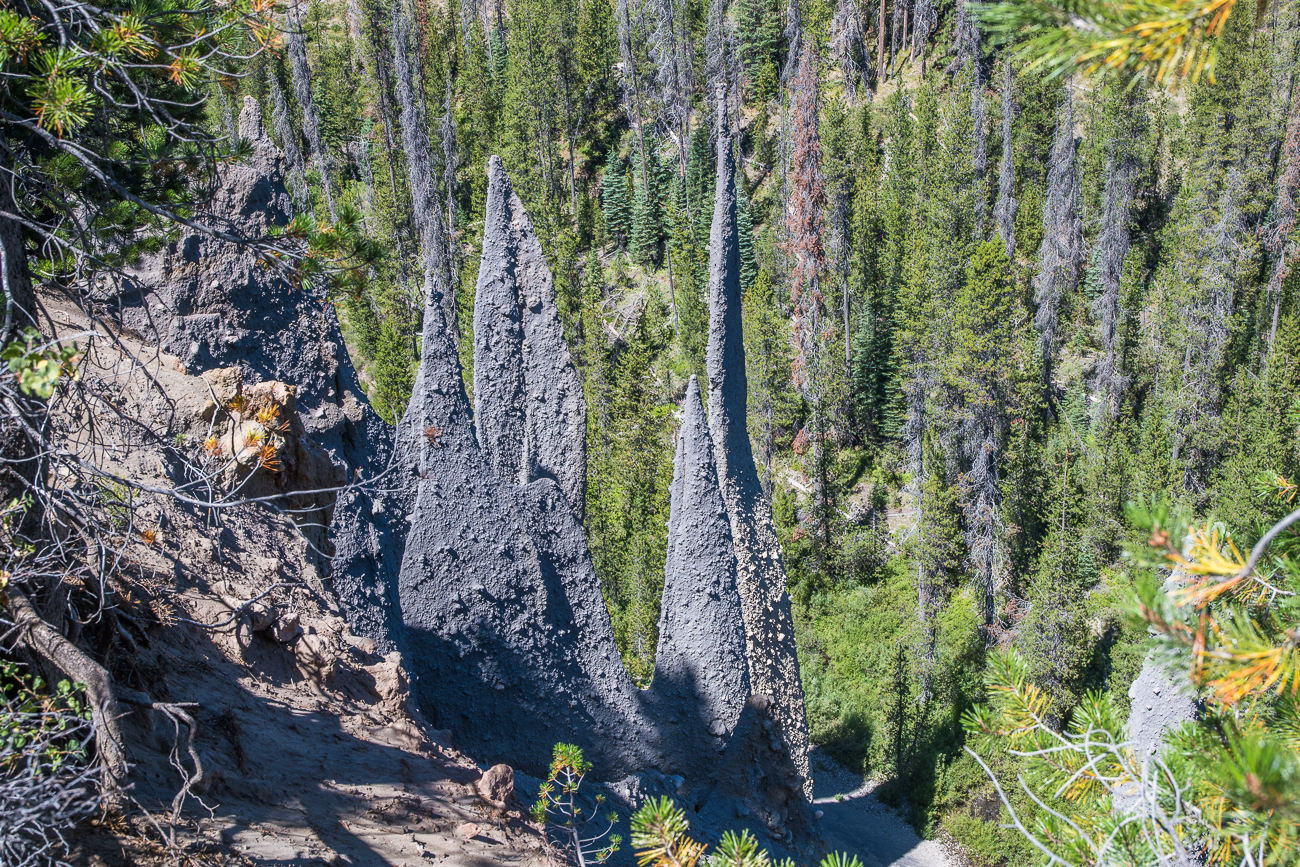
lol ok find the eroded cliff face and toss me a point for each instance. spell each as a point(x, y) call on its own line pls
point(769, 624)
point(508, 637)
point(213, 305)
point(530, 415)
point(466, 551)
point(510, 640)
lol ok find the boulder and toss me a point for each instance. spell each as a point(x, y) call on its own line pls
point(497, 785)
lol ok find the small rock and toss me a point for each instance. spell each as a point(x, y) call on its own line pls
point(467, 831)
point(315, 657)
point(390, 679)
point(368, 646)
point(406, 733)
point(497, 785)
point(287, 627)
point(260, 617)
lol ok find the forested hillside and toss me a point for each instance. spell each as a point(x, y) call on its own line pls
point(986, 307)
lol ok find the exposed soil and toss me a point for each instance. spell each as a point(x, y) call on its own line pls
point(857, 823)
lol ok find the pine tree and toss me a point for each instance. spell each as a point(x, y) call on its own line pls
point(302, 91)
point(758, 33)
point(978, 376)
point(937, 555)
point(698, 187)
point(646, 235)
point(745, 238)
point(615, 207)
point(772, 401)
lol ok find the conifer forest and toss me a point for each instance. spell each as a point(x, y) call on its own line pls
point(1021, 335)
point(985, 308)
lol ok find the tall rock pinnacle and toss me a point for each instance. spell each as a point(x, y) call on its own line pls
point(509, 640)
point(700, 662)
point(530, 413)
point(773, 665)
point(502, 621)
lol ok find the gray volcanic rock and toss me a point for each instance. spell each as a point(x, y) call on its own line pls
point(212, 304)
point(509, 638)
point(529, 408)
point(701, 655)
point(1158, 704)
point(756, 784)
point(769, 625)
point(510, 642)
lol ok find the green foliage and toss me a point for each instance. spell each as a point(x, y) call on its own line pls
point(937, 440)
point(38, 364)
point(559, 807)
point(647, 211)
point(1165, 40)
point(629, 454)
point(760, 45)
point(615, 205)
point(660, 835)
point(34, 714)
point(1224, 784)
point(53, 68)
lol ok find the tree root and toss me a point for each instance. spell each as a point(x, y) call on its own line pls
point(60, 657)
point(178, 714)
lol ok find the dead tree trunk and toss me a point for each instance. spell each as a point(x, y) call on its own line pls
point(60, 659)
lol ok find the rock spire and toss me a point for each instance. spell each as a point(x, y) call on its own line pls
point(769, 624)
point(529, 408)
point(503, 620)
point(701, 653)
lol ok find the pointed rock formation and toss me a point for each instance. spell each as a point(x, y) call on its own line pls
point(510, 641)
point(529, 408)
point(700, 663)
point(507, 635)
point(769, 625)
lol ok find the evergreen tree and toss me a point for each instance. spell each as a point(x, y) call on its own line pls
point(759, 45)
point(646, 235)
point(981, 395)
point(615, 206)
point(773, 403)
point(698, 186)
point(745, 238)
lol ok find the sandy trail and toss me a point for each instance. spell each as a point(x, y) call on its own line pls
point(859, 824)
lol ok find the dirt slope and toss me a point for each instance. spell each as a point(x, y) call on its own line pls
point(856, 822)
point(307, 749)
